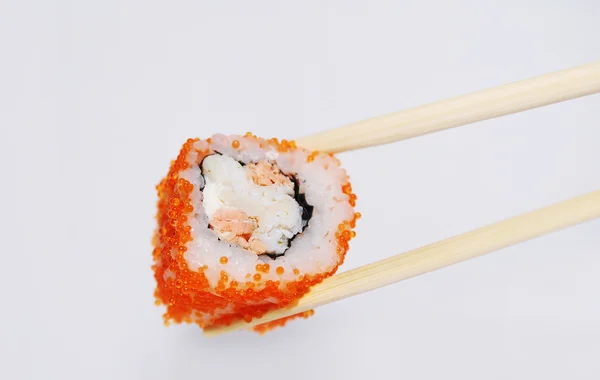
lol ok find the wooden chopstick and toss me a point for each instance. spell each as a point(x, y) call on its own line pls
point(466, 109)
point(438, 255)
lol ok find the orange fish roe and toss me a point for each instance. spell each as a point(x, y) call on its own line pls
point(187, 294)
point(311, 157)
point(263, 268)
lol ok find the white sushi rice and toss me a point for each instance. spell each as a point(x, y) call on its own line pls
point(312, 251)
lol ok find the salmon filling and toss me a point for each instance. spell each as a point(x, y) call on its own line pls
point(254, 206)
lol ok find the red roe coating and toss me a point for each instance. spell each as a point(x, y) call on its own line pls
point(188, 295)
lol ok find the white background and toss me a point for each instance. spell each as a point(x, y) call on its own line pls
point(97, 97)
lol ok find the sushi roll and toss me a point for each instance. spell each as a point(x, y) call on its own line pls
point(246, 225)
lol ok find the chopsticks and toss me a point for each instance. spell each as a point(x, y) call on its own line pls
point(438, 116)
point(461, 110)
point(436, 256)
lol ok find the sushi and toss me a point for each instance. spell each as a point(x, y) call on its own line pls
point(246, 225)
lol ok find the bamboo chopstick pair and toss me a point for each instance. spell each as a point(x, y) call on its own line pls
point(499, 101)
